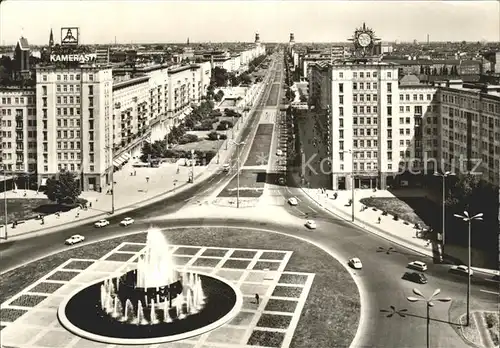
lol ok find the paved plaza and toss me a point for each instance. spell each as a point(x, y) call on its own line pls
point(29, 318)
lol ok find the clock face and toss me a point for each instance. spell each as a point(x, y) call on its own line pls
point(364, 39)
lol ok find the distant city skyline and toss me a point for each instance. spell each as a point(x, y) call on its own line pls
point(146, 21)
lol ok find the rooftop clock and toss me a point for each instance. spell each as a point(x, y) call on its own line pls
point(364, 39)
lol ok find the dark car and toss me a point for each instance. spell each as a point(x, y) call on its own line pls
point(281, 181)
point(415, 277)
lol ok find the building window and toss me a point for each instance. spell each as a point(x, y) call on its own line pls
point(389, 75)
point(341, 111)
point(341, 75)
point(354, 86)
point(389, 111)
point(389, 87)
point(341, 99)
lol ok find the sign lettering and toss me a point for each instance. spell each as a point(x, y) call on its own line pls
point(79, 58)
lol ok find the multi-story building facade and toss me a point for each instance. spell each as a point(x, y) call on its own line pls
point(381, 125)
point(74, 108)
point(18, 133)
point(470, 129)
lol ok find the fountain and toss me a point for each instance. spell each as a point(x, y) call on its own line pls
point(153, 303)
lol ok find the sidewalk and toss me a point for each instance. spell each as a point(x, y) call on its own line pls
point(131, 191)
point(395, 231)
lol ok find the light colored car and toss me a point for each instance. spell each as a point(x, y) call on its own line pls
point(101, 223)
point(462, 269)
point(355, 263)
point(75, 239)
point(293, 201)
point(311, 224)
point(226, 167)
point(418, 265)
point(127, 221)
point(279, 152)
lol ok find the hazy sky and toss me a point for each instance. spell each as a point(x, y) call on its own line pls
point(173, 21)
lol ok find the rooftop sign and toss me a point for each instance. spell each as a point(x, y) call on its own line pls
point(69, 36)
point(76, 57)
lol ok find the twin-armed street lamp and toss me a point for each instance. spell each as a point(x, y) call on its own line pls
point(429, 304)
point(352, 152)
point(443, 176)
point(467, 218)
point(237, 171)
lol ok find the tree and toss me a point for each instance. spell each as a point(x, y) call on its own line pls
point(220, 77)
point(63, 188)
point(218, 97)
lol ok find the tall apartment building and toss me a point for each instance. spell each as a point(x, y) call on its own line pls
point(470, 129)
point(74, 107)
point(18, 129)
point(381, 126)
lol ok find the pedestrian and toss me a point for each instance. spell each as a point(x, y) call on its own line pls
point(90, 204)
point(135, 172)
point(379, 219)
point(257, 298)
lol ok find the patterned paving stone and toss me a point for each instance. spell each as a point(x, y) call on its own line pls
point(55, 339)
point(226, 335)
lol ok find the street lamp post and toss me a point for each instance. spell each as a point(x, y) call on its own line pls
point(429, 304)
point(352, 182)
point(466, 217)
point(238, 171)
point(443, 177)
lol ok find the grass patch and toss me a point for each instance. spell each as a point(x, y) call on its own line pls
point(287, 291)
point(132, 247)
point(319, 325)
point(273, 95)
point(238, 264)
point(274, 321)
point(28, 300)
point(119, 257)
point(251, 184)
point(261, 265)
point(266, 338)
point(293, 279)
point(281, 306)
point(395, 206)
point(243, 254)
point(46, 288)
point(10, 314)
point(202, 145)
point(492, 321)
point(259, 152)
point(63, 275)
point(186, 251)
point(215, 252)
point(267, 255)
point(75, 264)
point(206, 262)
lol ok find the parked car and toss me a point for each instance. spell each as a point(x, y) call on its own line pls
point(418, 265)
point(281, 181)
point(127, 221)
point(101, 223)
point(355, 263)
point(293, 201)
point(226, 167)
point(279, 152)
point(462, 269)
point(74, 239)
point(311, 224)
point(415, 277)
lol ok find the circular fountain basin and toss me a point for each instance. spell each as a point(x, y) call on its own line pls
point(81, 314)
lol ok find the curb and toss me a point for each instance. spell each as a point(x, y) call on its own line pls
point(130, 207)
point(83, 221)
point(378, 231)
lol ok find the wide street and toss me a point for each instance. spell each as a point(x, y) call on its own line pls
point(380, 277)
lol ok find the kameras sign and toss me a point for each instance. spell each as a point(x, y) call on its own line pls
point(77, 58)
